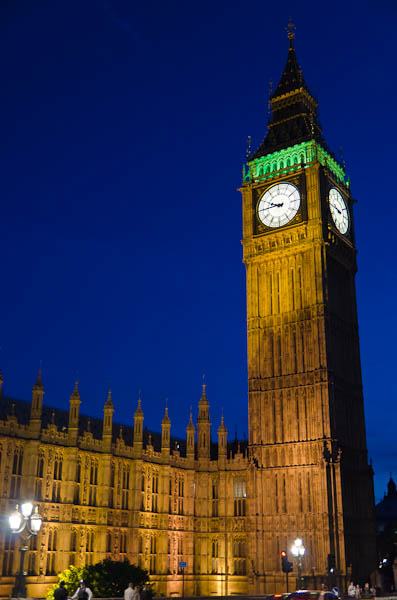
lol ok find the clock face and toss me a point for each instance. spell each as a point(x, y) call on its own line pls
point(339, 212)
point(279, 204)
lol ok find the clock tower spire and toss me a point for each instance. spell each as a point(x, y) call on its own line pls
point(307, 443)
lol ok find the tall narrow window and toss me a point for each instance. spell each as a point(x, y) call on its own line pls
point(292, 289)
point(123, 543)
point(39, 477)
point(153, 551)
point(300, 289)
point(181, 493)
point(8, 553)
point(56, 485)
point(278, 292)
point(214, 555)
point(93, 484)
point(89, 547)
point(125, 487)
point(240, 494)
point(111, 487)
point(73, 547)
point(51, 552)
point(76, 498)
point(155, 492)
point(215, 497)
point(239, 556)
point(16, 473)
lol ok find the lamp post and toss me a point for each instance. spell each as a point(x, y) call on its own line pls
point(27, 519)
point(298, 550)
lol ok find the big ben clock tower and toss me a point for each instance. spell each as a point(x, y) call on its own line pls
point(309, 472)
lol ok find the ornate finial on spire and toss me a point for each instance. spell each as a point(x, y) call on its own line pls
point(269, 104)
point(89, 425)
point(139, 411)
point(121, 432)
point(76, 386)
point(150, 439)
point(291, 32)
point(109, 399)
point(204, 385)
point(39, 383)
point(248, 152)
point(13, 409)
point(53, 417)
point(166, 418)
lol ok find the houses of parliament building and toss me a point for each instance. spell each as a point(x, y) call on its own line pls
point(224, 509)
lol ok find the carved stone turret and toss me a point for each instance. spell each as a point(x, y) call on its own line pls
point(74, 410)
point(222, 440)
point(165, 432)
point(138, 427)
point(190, 434)
point(108, 411)
point(203, 427)
point(37, 405)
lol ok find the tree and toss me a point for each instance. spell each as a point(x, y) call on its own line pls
point(71, 577)
point(106, 579)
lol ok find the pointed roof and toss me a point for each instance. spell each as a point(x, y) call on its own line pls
point(203, 399)
point(294, 111)
point(39, 384)
point(139, 411)
point(166, 420)
point(292, 78)
point(222, 427)
point(75, 394)
point(190, 426)
point(391, 487)
point(109, 403)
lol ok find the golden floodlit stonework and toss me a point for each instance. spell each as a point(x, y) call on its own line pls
point(227, 509)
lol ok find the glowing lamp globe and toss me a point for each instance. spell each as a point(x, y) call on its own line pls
point(15, 520)
point(35, 521)
point(26, 509)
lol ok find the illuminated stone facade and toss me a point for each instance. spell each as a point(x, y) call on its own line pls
point(224, 509)
point(111, 491)
point(309, 473)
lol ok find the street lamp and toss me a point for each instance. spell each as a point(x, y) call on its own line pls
point(298, 550)
point(24, 518)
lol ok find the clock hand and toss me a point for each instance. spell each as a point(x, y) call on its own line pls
point(336, 208)
point(272, 205)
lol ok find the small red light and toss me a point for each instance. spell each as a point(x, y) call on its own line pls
point(283, 554)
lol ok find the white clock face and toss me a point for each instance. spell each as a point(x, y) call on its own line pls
point(279, 204)
point(339, 212)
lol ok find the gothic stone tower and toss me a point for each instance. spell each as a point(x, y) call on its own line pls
point(309, 474)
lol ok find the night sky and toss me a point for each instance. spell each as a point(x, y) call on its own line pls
point(125, 127)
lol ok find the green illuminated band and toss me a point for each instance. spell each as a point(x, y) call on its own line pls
point(290, 159)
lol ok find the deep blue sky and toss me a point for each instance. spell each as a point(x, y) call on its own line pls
point(125, 127)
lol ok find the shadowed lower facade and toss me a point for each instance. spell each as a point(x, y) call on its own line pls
point(227, 510)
